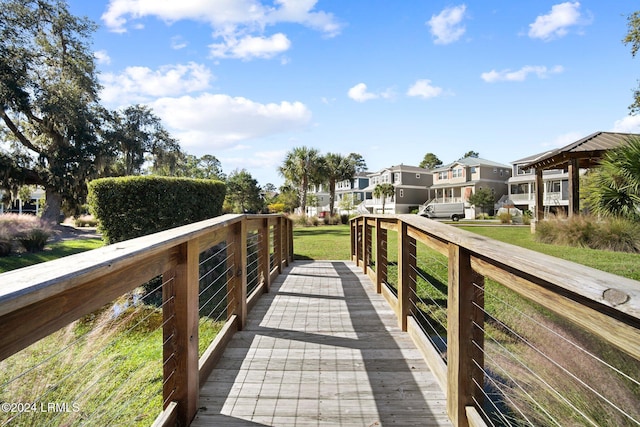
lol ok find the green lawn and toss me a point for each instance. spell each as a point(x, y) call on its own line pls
point(51, 252)
point(622, 264)
point(324, 242)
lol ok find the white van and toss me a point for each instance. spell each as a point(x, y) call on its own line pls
point(453, 211)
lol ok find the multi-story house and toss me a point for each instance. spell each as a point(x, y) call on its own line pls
point(457, 181)
point(317, 200)
point(522, 186)
point(352, 192)
point(411, 184)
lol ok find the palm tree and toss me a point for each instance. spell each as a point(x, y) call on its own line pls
point(301, 168)
point(614, 187)
point(383, 191)
point(337, 168)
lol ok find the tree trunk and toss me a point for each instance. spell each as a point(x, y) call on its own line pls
point(52, 206)
point(332, 196)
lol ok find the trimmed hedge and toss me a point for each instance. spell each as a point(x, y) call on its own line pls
point(135, 206)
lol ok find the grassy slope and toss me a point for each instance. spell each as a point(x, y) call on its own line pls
point(324, 242)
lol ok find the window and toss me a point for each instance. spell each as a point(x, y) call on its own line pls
point(473, 169)
point(520, 171)
point(501, 172)
point(417, 176)
point(396, 177)
point(457, 173)
point(401, 193)
point(442, 175)
point(495, 170)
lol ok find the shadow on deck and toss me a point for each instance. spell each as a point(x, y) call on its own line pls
point(321, 349)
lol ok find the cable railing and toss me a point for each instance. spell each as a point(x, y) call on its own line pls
point(514, 337)
point(123, 333)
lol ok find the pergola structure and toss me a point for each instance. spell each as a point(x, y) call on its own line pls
point(582, 154)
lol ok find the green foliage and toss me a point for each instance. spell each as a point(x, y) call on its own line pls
point(337, 167)
point(301, 168)
point(483, 198)
point(633, 38)
point(613, 188)
point(383, 191)
point(49, 101)
point(243, 193)
point(430, 161)
point(130, 207)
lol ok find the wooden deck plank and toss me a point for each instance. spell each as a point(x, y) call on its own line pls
point(321, 349)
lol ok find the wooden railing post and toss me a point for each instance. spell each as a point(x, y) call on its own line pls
point(366, 245)
point(180, 332)
point(406, 274)
point(237, 238)
point(358, 241)
point(461, 334)
point(291, 249)
point(353, 238)
point(381, 255)
point(263, 253)
point(277, 245)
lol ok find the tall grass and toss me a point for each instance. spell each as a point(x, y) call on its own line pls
point(613, 234)
point(104, 369)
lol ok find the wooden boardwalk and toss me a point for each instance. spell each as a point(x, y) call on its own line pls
point(321, 349)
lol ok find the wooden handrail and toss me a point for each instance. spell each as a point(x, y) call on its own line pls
point(601, 303)
point(38, 300)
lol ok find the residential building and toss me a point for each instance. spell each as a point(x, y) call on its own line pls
point(352, 192)
point(457, 181)
point(522, 186)
point(317, 200)
point(411, 184)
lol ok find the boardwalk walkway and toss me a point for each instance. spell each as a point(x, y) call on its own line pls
point(321, 349)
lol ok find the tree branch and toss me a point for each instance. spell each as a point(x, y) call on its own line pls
point(14, 129)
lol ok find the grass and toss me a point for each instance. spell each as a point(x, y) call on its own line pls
point(324, 242)
point(620, 263)
point(51, 252)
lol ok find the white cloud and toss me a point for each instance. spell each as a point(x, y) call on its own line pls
point(140, 84)
point(251, 47)
point(102, 57)
point(239, 23)
point(521, 74)
point(359, 93)
point(177, 43)
point(556, 23)
point(446, 26)
point(424, 89)
point(628, 124)
point(218, 120)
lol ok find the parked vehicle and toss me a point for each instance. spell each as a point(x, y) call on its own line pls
point(453, 211)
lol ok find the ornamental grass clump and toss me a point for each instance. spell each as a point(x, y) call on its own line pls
point(30, 231)
point(612, 234)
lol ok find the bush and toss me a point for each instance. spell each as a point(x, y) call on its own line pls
point(131, 207)
point(86, 221)
point(344, 219)
point(613, 234)
point(276, 207)
point(35, 239)
point(29, 230)
point(505, 218)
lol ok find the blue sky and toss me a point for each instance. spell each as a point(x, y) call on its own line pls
point(247, 80)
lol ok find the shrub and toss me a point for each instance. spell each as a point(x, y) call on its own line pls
point(344, 219)
point(29, 230)
point(86, 221)
point(505, 218)
point(314, 221)
point(34, 239)
point(130, 207)
point(276, 207)
point(614, 234)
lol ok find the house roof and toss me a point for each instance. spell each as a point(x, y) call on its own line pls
point(588, 150)
point(471, 161)
point(400, 168)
